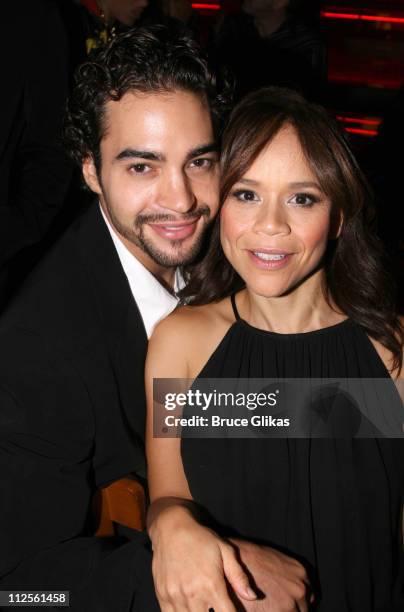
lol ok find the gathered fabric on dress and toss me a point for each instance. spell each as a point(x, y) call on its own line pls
point(335, 504)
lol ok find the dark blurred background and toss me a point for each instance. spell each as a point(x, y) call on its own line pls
point(349, 56)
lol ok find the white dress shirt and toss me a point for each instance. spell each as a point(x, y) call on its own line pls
point(152, 299)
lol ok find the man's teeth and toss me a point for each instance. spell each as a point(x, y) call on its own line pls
point(269, 256)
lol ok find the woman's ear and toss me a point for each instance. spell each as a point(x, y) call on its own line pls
point(337, 223)
point(91, 175)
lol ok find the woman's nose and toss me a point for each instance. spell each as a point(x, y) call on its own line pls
point(272, 219)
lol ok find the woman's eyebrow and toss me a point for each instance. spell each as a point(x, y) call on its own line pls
point(305, 184)
point(296, 184)
point(247, 181)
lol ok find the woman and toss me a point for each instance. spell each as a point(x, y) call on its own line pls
point(293, 285)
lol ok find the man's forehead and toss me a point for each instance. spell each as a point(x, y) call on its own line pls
point(157, 122)
point(138, 102)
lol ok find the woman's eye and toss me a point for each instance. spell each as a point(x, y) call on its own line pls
point(140, 168)
point(303, 199)
point(244, 195)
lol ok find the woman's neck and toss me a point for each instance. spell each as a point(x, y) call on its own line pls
point(303, 309)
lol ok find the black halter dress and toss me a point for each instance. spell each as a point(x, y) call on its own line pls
point(335, 504)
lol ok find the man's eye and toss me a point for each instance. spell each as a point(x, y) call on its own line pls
point(140, 168)
point(203, 162)
point(244, 195)
point(303, 200)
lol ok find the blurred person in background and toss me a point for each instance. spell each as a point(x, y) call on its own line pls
point(107, 18)
point(180, 14)
point(34, 170)
point(384, 167)
point(91, 24)
point(274, 42)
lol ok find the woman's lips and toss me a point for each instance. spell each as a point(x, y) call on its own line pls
point(174, 231)
point(269, 260)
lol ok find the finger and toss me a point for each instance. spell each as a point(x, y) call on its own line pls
point(189, 606)
point(184, 606)
point(235, 574)
point(222, 603)
point(302, 605)
point(172, 603)
point(165, 606)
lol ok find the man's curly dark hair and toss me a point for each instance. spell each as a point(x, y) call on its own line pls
point(146, 59)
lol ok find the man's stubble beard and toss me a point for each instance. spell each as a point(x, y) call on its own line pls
point(135, 235)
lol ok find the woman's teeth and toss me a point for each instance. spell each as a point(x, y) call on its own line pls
point(269, 256)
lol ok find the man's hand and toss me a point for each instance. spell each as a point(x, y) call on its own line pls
point(282, 580)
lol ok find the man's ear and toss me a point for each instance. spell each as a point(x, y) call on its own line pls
point(90, 175)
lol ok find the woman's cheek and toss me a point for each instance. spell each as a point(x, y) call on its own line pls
point(228, 234)
point(315, 233)
point(233, 224)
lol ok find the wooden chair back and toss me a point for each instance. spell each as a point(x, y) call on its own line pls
point(123, 502)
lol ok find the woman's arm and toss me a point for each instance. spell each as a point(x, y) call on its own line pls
point(191, 563)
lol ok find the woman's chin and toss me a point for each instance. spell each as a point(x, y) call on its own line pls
point(268, 290)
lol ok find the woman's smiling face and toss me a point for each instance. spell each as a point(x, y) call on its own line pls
point(276, 221)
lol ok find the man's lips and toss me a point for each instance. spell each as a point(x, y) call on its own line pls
point(175, 230)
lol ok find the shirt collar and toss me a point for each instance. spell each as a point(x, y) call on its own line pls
point(152, 298)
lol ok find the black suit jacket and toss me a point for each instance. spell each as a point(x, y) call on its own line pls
point(72, 418)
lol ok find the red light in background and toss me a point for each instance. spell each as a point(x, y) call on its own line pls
point(208, 7)
point(362, 121)
point(362, 125)
point(361, 131)
point(357, 16)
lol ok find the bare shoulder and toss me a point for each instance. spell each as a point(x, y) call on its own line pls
point(386, 356)
point(193, 332)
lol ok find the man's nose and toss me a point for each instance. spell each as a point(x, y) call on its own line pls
point(272, 219)
point(177, 194)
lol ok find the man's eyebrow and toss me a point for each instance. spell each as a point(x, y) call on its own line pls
point(142, 154)
point(202, 150)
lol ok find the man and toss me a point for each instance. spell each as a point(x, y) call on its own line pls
point(72, 344)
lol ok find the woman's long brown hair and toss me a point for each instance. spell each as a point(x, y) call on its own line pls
point(357, 277)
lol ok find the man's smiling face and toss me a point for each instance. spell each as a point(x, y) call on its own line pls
point(158, 176)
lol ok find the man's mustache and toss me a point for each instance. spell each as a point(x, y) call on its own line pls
point(202, 211)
